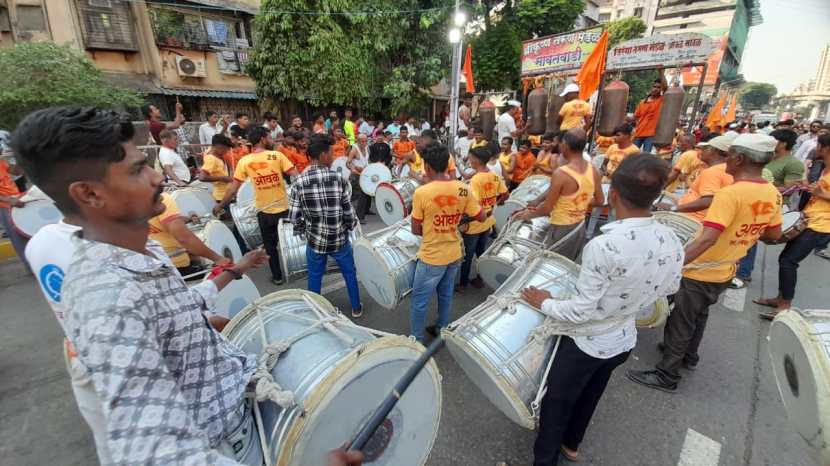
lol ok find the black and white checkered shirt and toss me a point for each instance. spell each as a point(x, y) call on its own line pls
point(320, 207)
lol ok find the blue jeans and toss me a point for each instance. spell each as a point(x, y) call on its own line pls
point(645, 144)
point(17, 240)
point(474, 245)
point(345, 260)
point(747, 264)
point(429, 279)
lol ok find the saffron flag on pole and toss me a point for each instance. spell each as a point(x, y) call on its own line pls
point(733, 110)
point(716, 114)
point(468, 70)
point(590, 74)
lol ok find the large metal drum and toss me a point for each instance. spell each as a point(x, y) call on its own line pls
point(34, 215)
point(245, 194)
point(394, 200)
point(613, 106)
point(684, 227)
point(531, 188)
point(245, 218)
point(385, 262)
point(338, 373)
point(512, 248)
point(235, 296)
point(556, 103)
point(487, 115)
point(493, 344)
point(293, 247)
point(193, 201)
point(537, 108)
point(799, 348)
point(218, 238)
point(669, 115)
point(341, 166)
point(373, 175)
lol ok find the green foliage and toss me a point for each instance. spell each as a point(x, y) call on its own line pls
point(497, 49)
point(754, 96)
point(624, 29)
point(40, 75)
point(349, 59)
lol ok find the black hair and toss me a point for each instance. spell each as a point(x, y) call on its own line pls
point(379, 152)
point(404, 128)
point(509, 140)
point(59, 146)
point(257, 134)
point(462, 133)
point(320, 143)
point(824, 140)
point(482, 154)
point(817, 122)
point(145, 111)
point(624, 128)
point(240, 115)
point(477, 129)
point(436, 156)
point(524, 142)
point(268, 116)
point(428, 133)
point(639, 180)
point(551, 136)
point(237, 131)
point(787, 136)
point(167, 134)
point(575, 141)
point(220, 140)
point(210, 113)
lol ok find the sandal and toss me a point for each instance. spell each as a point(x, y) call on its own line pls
point(768, 315)
point(768, 302)
point(569, 454)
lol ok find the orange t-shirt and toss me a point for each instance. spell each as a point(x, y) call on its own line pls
point(524, 165)
point(439, 205)
point(340, 148)
point(299, 159)
point(616, 156)
point(399, 148)
point(647, 113)
point(158, 232)
point(7, 186)
point(233, 156)
point(710, 181)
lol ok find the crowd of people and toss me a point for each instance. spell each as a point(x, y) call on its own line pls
point(158, 384)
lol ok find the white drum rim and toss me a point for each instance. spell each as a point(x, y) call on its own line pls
point(15, 224)
point(176, 194)
point(325, 390)
point(367, 173)
point(794, 322)
point(345, 173)
point(389, 279)
point(281, 238)
point(658, 317)
point(496, 260)
point(232, 246)
point(249, 311)
point(524, 416)
point(795, 214)
point(386, 185)
point(236, 207)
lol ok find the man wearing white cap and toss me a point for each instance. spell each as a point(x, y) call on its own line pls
point(740, 214)
point(710, 180)
point(506, 124)
point(575, 113)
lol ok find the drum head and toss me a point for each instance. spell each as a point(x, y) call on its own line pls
point(245, 193)
point(503, 212)
point(374, 274)
point(800, 363)
point(235, 296)
point(684, 227)
point(220, 239)
point(654, 315)
point(494, 269)
point(191, 201)
point(390, 204)
point(340, 166)
point(204, 186)
point(790, 219)
point(34, 216)
point(349, 395)
point(372, 176)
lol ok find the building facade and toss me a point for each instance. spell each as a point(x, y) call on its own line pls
point(589, 16)
point(610, 10)
point(193, 52)
point(822, 82)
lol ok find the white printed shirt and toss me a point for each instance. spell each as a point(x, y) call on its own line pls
point(170, 157)
point(171, 386)
point(632, 264)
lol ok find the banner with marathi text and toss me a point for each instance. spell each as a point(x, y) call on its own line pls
point(559, 53)
point(691, 75)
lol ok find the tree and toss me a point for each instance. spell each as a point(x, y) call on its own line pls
point(40, 75)
point(624, 29)
point(754, 96)
point(348, 58)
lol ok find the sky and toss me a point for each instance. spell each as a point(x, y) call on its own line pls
point(785, 49)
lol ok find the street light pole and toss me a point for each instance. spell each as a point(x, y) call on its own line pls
point(455, 76)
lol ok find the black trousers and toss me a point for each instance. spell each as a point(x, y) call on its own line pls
point(360, 200)
point(575, 385)
point(686, 324)
point(796, 250)
point(268, 224)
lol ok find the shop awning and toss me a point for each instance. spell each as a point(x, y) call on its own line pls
point(210, 93)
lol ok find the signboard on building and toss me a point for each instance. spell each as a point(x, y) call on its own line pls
point(660, 50)
point(560, 53)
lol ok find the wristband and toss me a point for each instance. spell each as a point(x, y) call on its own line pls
point(237, 275)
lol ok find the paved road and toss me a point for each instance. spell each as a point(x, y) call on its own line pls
point(728, 412)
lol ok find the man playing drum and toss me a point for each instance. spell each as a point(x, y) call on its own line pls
point(740, 214)
point(573, 188)
point(633, 263)
point(320, 206)
point(215, 168)
point(489, 189)
point(358, 159)
point(266, 168)
point(170, 386)
point(437, 208)
point(404, 151)
point(815, 236)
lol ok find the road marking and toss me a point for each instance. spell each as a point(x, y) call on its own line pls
point(333, 286)
point(699, 450)
point(734, 300)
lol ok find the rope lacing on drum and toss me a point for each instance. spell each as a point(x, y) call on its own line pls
point(266, 387)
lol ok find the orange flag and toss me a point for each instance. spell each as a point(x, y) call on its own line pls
point(468, 70)
point(716, 114)
point(732, 111)
point(591, 72)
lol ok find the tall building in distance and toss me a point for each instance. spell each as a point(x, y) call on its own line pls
point(822, 83)
point(610, 10)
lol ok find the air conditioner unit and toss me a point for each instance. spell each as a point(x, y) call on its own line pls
point(191, 67)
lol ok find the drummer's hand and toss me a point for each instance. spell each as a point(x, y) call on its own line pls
point(252, 260)
point(341, 457)
point(222, 261)
point(535, 297)
point(16, 202)
point(217, 210)
point(218, 322)
point(662, 206)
